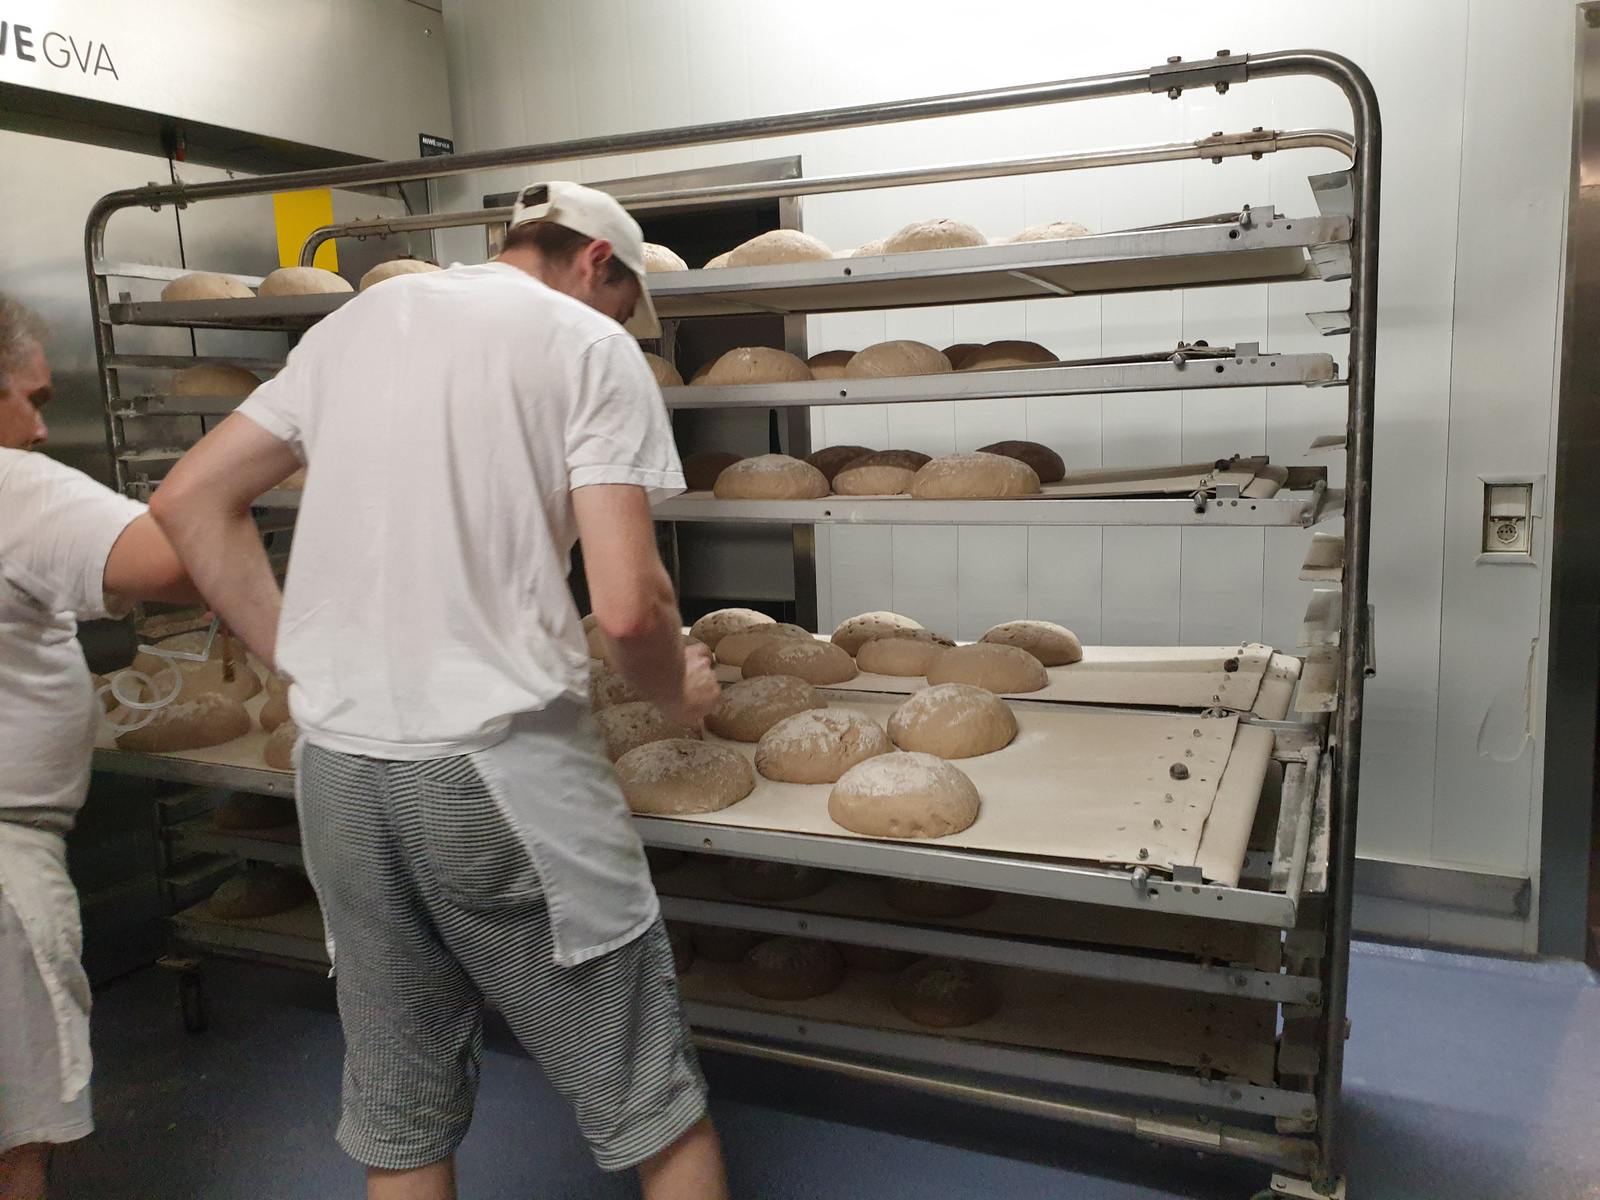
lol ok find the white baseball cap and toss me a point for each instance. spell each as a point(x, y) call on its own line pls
point(597, 215)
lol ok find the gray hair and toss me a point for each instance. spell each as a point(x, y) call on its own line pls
point(22, 334)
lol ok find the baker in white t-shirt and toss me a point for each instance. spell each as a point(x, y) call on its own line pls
point(467, 839)
point(70, 550)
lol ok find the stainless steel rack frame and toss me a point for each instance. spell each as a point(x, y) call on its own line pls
point(1308, 886)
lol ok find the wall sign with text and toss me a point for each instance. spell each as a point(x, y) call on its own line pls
point(63, 51)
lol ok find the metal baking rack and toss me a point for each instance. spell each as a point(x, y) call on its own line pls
point(1302, 886)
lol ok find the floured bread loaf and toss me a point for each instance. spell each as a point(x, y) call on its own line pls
point(259, 892)
point(1007, 354)
point(714, 626)
point(887, 359)
point(882, 473)
point(953, 720)
point(996, 668)
point(600, 646)
point(682, 947)
point(1050, 231)
point(293, 483)
point(660, 258)
point(736, 647)
point(589, 621)
point(717, 943)
point(756, 364)
point(189, 723)
point(867, 250)
point(700, 469)
point(943, 993)
point(957, 354)
point(638, 723)
point(213, 379)
point(830, 364)
point(394, 267)
point(718, 260)
point(666, 374)
point(904, 795)
point(302, 281)
point(206, 285)
point(918, 898)
point(608, 688)
point(752, 706)
point(790, 968)
point(898, 654)
point(834, 459)
point(819, 746)
point(1046, 463)
point(278, 753)
point(778, 246)
point(680, 776)
point(227, 671)
point(661, 859)
point(940, 234)
point(815, 662)
point(974, 476)
point(759, 879)
point(863, 627)
point(1053, 645)
point(771, 477)
point(877, 959)
point(276, 710)
point(245, 810)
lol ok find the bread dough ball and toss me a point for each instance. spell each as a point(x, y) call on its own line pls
point(660, 258)
point(661, 859)
point(714, 626)
point(778, 246)
point(719, 260)
point(904, 795)
point(756, 364)
point(395, 267)
point(638, 723)
point(1050, 231)
point(1046, 463)
point(303, 281)
point(278, 753)
point(734, 649)
point(898, 655)
point(1053, 645)
point(759, 879)
point(819, 746)
point(752, 706)
point(214, 379)
point(666, 374)
point(815, 662)
point(276, 710)
point(771, 477)
point(918, 898)
point(608, 687)
point(791, 968)
point(191, 722)
point(867, 250)
point(886, 359)
point(259, 892)
point(682, 946)
point(940, 234)
point(974, 475)
point(835, 459)
point(953, 720)
point(700, 469)
point(877, 959)
point(863, 627)
point(245, 810)
point(957, 354)
point(232, 676)
point(680, 776)
point(830, 364)
point(943, 993)
point(206, 285)
point(996, 668)
point(717, 943)
point(873, 481)
point(1007, 354)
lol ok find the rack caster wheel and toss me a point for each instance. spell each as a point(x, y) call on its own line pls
point(191, 992)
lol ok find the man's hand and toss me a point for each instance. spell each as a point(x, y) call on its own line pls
point(701, 691)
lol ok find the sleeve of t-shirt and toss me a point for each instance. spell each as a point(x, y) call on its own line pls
point(57, 527)
point(280, 404)
point(618, 430)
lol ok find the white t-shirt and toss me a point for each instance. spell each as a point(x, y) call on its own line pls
point(57, 527)
point(444, 418)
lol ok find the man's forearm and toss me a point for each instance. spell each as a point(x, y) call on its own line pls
point(652, 659)
point(225, 558)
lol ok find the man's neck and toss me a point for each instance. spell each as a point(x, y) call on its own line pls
point(526, 260)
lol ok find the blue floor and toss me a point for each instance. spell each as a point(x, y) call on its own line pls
point(1467, 1078)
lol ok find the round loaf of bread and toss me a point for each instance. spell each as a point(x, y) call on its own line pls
point(682, 947)
point(974, 476)
point(206, 285)
point(873, 481)
point(877, 959)
point(997, 668)
point(278, 753)
point(717, 260)
point(790, 968)
point(778, 246)
point(868, 249)
point(904, 795)
point(918, 898)
point(771, 477)
point(666, 374)
point(752, 706)
point(715, 626)
point(700, 469)
point(394, 267)
point(608, 687)
point(660, 258)
point(1050, 231)
point(830, 364)
point(227, 671)
point(190, 722)
point(680, 776)
point(819, 746)
point(303, 281)
point(716, 943)
point(246, 810)
point(259, 892)
point(943, 993)
point(957, 354)
point(953, 720)
point(886, 359)
point(940, 234)
point(213, 379)
point(852, 632)
point(1007, 354)
point(759, 879)
point(734, 649)
point(638, 723)
point(898, 655)
point(835, 459)
point(276, 710)
point(815, 662)
point(756, 364)
point(1053, 645)
point(661, 859)
point(1046, 463)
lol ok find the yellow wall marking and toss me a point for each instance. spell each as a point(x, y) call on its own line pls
point(298, 214)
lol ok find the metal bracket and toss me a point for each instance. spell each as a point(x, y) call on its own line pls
point(1257, 142)
point(1174, 75)
point(1330, 324)
point(1304, 1189)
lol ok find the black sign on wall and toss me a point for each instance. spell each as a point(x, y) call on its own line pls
point(434, 147)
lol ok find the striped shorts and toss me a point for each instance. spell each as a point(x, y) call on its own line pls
point(434, 907)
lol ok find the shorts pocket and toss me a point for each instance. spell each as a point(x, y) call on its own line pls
point(472, 852)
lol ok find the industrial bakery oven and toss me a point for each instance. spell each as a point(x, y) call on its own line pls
point(1183, 980)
